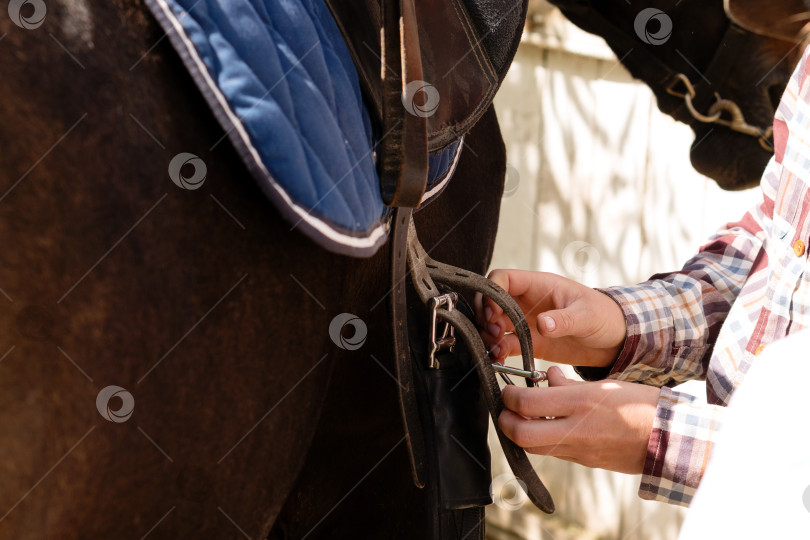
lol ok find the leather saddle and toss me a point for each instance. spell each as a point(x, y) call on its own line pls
point(429, 70)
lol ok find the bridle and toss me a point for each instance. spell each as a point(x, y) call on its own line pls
point(736, 120)
point(695, 96)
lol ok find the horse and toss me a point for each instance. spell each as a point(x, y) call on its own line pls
point(742, 73)
point(201, 314)
point(203, 308)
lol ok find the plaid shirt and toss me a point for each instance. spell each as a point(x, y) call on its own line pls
point(746, 288)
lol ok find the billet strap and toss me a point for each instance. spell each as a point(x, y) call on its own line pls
point(403, 158)
point(414, 433)
point(423, 271)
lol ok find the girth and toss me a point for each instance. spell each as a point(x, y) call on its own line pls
point(425, 273)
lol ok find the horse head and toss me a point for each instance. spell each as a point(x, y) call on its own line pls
point(691, 46)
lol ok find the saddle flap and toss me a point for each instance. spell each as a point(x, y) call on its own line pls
point(459, 81)
point(457, 66)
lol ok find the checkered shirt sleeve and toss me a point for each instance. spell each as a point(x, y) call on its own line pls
point(672, 323)
point(673, 319)
point(683, 433)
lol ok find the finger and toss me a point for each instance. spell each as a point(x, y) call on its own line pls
point(503, 348)
point(493, 313)
point(542, 402)
point(561, 451)
point(569, 321)
point(480, 314)
point(493, 331)
point(557, 378)
point(514, 282)
point(484, 314)
point(533, 433)
point(500, 278)
point(505, 322)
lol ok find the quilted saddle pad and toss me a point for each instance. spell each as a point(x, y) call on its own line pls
point(279, 79)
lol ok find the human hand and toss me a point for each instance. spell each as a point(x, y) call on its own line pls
point(604, 424)
point(570, 323)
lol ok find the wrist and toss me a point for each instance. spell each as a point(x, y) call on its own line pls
point(615, 328)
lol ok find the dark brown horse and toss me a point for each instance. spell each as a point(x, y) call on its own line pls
point(202, 305)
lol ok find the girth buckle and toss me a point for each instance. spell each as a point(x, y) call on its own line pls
point(448, 339)
point(504, 371)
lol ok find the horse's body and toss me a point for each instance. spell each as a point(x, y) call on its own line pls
point(107, 262)
point(205, 305)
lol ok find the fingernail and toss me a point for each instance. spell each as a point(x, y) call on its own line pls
point(494, 329)
point(495, 352)
point(549, 324)
point(488, 313)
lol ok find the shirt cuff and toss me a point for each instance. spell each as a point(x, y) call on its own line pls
point(590, 373)
point(680, 445)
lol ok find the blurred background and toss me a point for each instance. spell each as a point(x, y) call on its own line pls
point(600, 189)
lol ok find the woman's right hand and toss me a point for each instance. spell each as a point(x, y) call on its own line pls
point(570, 323)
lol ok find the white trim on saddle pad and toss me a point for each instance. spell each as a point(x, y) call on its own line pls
point(437, 189)
point(328, 235)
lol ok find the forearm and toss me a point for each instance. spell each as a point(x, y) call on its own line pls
point(673, 319)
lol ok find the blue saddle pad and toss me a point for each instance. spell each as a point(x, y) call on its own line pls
point(281, 82)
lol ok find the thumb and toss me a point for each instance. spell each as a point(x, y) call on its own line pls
point(557, 378)
point(559, 323)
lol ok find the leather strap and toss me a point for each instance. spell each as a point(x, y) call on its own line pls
point(414, 433)
point(403, 161)
point(720, 66)
point(423, 270)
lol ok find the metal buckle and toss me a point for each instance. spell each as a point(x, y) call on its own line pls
point(503, 371)
point(448, 339)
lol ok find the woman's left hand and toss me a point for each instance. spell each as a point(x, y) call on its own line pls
point(604, 424)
